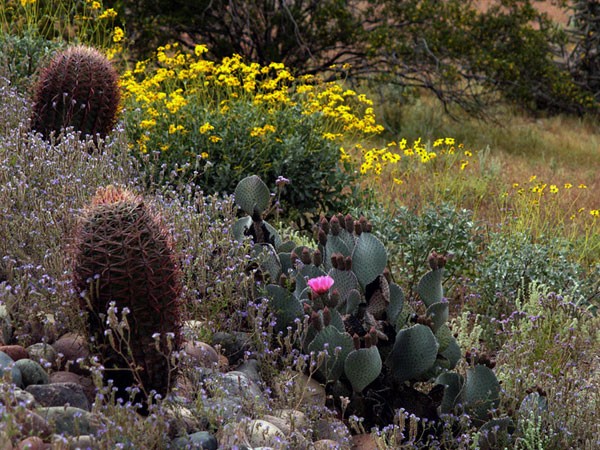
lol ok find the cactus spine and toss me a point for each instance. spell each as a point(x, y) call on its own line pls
point(123, 254)
point(78, 88)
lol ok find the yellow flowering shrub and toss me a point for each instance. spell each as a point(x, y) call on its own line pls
point(218, 121)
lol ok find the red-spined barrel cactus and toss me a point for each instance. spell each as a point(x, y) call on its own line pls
point(124, 254)
point(79, 88)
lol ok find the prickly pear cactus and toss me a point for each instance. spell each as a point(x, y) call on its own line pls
point(123, 254)
point(78, 88)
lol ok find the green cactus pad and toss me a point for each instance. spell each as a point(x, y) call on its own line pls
point(396, 302)
point(239, 228)
point(430, 287)
point(444, 336)
point(310, 271)
point(369, 258)
point(533, 405)
point(438, 312)
point(354, 299)
point(269, 261)
point(495, 433)
point(344, 281)
point(286, 247)
point(252, 194)
point(362, 367)
point(481, 392)
point(414, 352)
point(286, 262)
point(329, 338)
point(452, 354)
point(404, 316)
point(453, 383)
point(285, 306)
point(335, 244)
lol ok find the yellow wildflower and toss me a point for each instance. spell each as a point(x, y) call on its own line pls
point(95, 5)
point(206, 128)
point(449, 141)
point(203, 155)
point(553, 189)
point(595, 212)
point(568, 185)
point(214, 139)
point(108, 14)
point(582, 186)
point(118, 34)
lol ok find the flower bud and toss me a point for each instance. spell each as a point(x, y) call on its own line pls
point(315, 321)
point(326, 316)
point(334, 299)
point(356, 341)
point(324, 224)
point(357, 228)
point(334, 223)
point(305, 258)
point(349, 223)
point(348, 263)
point(317, 258)
point(322, 237)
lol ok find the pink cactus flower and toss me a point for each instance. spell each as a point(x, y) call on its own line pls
point(320, 285)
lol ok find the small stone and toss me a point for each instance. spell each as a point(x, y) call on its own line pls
point(32, 372)
point(327, 444)
point(200, 440)
point(363, 442)
point(296, 420)
point(8, 364)
point(32, 443)
point(251, 368)
point(301, 389)
point(239, 384)
point(69, 420)
point(60, 394)
point(202, 353)
point(31, 423)
point(22, 397)
point(73, 349)
point(43, 353)
point(69, 377)
point(85, 441)
point(333, 429)
point(16, 352)
point(263, 433)
point(233, 345)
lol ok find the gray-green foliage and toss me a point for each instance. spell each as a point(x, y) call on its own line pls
point(346, 290)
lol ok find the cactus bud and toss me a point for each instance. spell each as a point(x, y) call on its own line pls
point(334, 261)
point(315, 321)
point(368, 341)
point(326, 316)
point(348, 263)
point(373, 335)
point(356, 341)
point(283, 280)
point(334, 299)
point(307, 308)
point(322, 237)
point(305, 258)
point(363, 223)
point(317, 258)
point(357, 228)
point(324, 223)
point(349, 223)
point(368, 227)
point(334, 223)
point(340, 261)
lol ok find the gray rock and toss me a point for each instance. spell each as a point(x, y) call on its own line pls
point(31, 372)
point(233, 345)
point(252, 369)
point(263, 433)
point(199, 440)
point(43, 353)
point(69, 420)
point(239, 384)
point(7, 364)
point(60, 394)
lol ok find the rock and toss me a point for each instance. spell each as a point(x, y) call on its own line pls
point(8, 364)
point(363, 442)
point(60, 394)
point(43, 354)
point(202, 354)
point(199, 440)
point(333, 429)
point(233, 345)
point(69, 420)
point(16, 352)
point(252, 369)
point(69, 377)
point(5, 441)
point(22, 397)
point(263, 433)
point(327, 444)
point(32, 423)
point(300, 389)
point(295, 420)
point(32, 443)
point(239, 384)
point(224, 410)
point(31, 372)
point(83, 442)
point(72, 350)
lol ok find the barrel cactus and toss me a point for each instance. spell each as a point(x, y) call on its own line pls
point(79, 87)
point(124, 261)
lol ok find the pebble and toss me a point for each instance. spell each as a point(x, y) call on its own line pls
point(16, 352)
point(60, 394)
point(69, 420)
point(202, 354)
point(8, 364)
point(200, 440)
point(32, 443)
point(263, 433)
point(43, 353)
point(32, 372)
point(72, 347)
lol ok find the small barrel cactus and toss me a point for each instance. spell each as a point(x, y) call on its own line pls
point(123, 256)
point(79, 88)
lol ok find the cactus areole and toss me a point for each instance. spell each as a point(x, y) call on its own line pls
point(123, 254)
